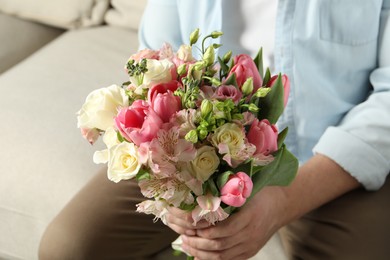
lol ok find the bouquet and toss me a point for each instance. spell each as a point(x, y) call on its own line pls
point(196, 134)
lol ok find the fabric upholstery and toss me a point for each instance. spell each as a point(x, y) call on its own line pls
point(125, 13)
point(60, 13)
point(20, 38)
point(44, 160)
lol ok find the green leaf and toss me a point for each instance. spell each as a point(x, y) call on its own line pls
point(120, 137)
point(229, 209)
point(267, 77)
point(272, 105)
point(187, 207)
point(245, 167)
point(224, 67)
point(282, 135)
point(231, 80)
point(212, 187)
point(223, 178)
point(280, 172)
point(259, 62)
point(142, 175)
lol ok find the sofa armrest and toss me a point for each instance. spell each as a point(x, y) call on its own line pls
point(20, 38)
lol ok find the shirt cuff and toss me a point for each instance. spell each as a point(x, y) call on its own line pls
point(356, 157)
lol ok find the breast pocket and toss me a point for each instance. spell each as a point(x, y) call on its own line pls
point(350, 22)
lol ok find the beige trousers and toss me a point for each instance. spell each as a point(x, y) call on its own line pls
point(100, 222)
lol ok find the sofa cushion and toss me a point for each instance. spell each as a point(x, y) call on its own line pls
point(44, 159)
point(125, 13)
point(61, 13)
point(20, 38)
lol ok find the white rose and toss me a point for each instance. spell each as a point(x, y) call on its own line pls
point(159, 71)
point(123, 163)
point(205, 163)
point(100, 108)
point(110, 139)
point(229, 134)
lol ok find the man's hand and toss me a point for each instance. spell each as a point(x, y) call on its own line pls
point(244, 233)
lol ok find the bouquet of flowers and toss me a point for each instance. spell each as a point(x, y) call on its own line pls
point(196, 134)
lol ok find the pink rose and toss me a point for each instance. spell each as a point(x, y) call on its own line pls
point(138, 123)
point(237, 189)
point(228, 92)
point(163, 101)
point(264, 136)
point(286, 85)
point(244, 68)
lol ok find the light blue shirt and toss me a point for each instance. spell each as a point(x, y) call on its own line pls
point(337, 56)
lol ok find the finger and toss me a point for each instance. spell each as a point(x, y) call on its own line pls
point(184, 219)
point(182, 231)
point(227, 228)
point(217, 244)
point(234, 253)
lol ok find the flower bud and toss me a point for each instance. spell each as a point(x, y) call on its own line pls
point(206, 107)
point(194, 36)
point(253, 108)
point(247, 87)
point(209, 56)
point(181, 70)
point(226, 58)
point(216, 34)
point(199, 65)
point(192, 136)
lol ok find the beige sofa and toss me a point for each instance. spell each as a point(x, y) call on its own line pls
point(52, 54)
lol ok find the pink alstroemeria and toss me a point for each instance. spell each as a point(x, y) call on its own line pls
point(209, 209)
point(91, 135)
point(159, 208)
point(170, 189)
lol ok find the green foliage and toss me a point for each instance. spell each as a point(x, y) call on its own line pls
point(272, 105)
point(259, 61)
point(142, 175)
point(280, 172)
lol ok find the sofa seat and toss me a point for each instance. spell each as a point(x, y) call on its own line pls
point(44, 159)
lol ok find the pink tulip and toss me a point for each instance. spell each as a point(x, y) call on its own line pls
point(244, 68)
point(138, 123)
point(286, 85)
point(264, 136)
point(237, 189)
point(163, 101)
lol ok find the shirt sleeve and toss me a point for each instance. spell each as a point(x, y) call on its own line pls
point(160, 24)
point(361, 143)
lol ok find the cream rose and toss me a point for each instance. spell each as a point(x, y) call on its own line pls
point(229, 134)
point(100, 108)
point(205, 163)
point(159, 71)
point(123, 163)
